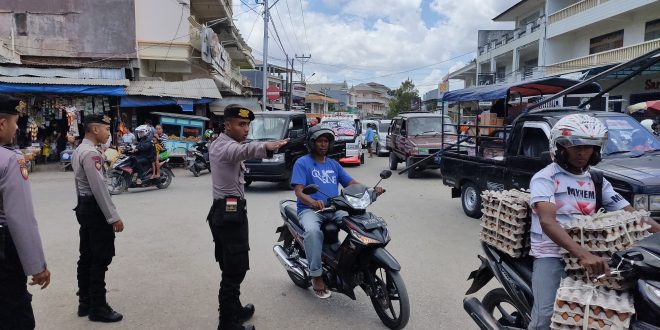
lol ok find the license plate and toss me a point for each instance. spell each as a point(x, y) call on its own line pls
point(372, 223)
point(351, 146)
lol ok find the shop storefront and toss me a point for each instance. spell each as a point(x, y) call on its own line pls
point(53, 109)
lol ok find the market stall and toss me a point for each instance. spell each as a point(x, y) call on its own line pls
point(182, 131)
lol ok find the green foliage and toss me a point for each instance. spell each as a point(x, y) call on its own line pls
point(403, 98)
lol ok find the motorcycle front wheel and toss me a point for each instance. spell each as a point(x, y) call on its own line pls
point(116, 183)
point(165, 178)
point(390, 298)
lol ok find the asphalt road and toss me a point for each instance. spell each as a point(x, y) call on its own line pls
point(165, 277)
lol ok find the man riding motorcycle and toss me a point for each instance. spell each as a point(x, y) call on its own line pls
point(145, 153)
point(558, 192)
point(316, 168)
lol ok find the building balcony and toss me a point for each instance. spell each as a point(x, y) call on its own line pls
point(372, 100)
point(207, 10)
point(571, 10)
point(515, 38)
point(613, 56)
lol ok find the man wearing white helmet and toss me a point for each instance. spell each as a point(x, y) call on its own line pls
point(559, 191)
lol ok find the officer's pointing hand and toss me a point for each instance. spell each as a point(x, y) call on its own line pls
point(42, 279)
point(118, 226)
point(274, 145)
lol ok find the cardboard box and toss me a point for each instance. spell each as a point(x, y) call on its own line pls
point(499, 122)
point(488, 119)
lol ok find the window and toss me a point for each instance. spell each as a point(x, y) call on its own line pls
point(652, 30)
point(606, 42)
point(20, 19)
point(534, 142)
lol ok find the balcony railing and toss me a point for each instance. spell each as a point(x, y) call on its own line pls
point(608, 57)
point(513, 35)
point(573, 9)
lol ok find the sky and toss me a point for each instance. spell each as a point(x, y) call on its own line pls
point(383, 41)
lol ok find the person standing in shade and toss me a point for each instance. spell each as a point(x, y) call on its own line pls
point(21, 252)
point(369, 138)
point(228, 215)
point(98, 219)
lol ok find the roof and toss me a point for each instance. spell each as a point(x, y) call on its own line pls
point(519, 9)
point(177, 115)
point(279, 113)
point(418, 114)
point(189, 89)
point(546, 86)
point(471, 68)
point(64, 81)
point(320, 98)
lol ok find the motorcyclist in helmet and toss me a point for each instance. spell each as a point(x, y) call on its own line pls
point(145, 153)
point(558, 192)
point(317, 168)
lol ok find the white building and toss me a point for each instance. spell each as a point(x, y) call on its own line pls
point(372, 99)
point(558, 37)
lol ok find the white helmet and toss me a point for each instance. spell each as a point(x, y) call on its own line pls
point(648, 124)
point(142, 130)
point(578, 130)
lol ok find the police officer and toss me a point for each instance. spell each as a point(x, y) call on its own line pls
point(228, 215)
point(98, 219)
point(21, 253)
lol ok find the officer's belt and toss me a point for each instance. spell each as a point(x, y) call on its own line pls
point(86, 199)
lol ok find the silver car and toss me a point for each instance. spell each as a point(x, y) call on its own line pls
point(381, 145)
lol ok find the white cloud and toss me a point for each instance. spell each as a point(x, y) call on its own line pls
point(363, 40)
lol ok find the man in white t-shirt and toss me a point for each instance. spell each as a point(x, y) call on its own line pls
point(559, 191)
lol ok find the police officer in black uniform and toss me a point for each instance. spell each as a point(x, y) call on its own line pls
point(228, 215)
point(21, 253)
point(98, 219)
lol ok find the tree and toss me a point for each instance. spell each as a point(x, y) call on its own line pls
point(403, 98)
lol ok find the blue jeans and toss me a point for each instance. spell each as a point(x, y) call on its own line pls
point(546, 276)
point(312, 222)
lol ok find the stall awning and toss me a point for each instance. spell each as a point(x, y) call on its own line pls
point(152, 101)
point(189, 89)
point(110, 87)
point(547, 86)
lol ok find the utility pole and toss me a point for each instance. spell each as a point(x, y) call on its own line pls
point(264, 65)
point(304, 60)
point(290, 100)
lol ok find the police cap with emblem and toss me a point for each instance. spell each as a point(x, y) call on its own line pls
point(97, 119)
point(237, 111)
point(9, 105)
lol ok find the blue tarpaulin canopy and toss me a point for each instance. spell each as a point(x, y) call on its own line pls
point(154, 101)
point(9, 88)
point(546, 86)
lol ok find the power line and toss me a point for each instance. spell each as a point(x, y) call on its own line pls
point(277, 35)
point(293, 26)
point(414, 69)
point(252, 29)
point(167, 54)
point(286, 33)
point(304, 25)
point(251, 8)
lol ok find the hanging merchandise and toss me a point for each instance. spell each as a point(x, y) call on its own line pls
point(32, 129)
point(106, 104)
point(72, 119)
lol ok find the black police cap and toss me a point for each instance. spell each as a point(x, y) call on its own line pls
point(9, 105)
point(238, 112)
point(97, 119)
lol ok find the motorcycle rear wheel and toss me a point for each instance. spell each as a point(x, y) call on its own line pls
point(116, 183)
point(493, 301)
point(390, 287)
point(165, 182)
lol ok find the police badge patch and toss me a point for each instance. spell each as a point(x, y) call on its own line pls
point(24, 170)
point(97, 162)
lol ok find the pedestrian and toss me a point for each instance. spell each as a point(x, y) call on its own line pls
point(228, 215)
point(21, 252)
point(98, 219)
point(369, 138)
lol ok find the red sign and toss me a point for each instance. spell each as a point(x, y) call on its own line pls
point(273, 93)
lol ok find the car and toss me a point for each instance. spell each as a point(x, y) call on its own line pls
point(347, 147)
point(277, 125)
point(383, 126)
point(365, 122)
point(414, 136)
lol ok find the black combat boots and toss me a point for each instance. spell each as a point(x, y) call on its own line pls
point(100, 311)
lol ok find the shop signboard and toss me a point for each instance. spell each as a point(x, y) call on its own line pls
point(213, 53)
point(299, 90)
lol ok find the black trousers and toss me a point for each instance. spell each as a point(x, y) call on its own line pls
point(15, 300)
point(232, 254)
point(97, 247)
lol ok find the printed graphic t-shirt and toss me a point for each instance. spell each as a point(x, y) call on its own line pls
point(328, 176)
point(572, 194)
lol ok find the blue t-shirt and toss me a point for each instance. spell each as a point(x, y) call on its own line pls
point(369, 135)
point(326, 175)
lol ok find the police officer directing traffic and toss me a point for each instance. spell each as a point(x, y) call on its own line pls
point(21, 253)
point(228, 215)
point(98, 219)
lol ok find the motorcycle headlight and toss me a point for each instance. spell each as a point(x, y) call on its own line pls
point(654, 203)
point(277, 158)
point(653, 292)
point(641, 202)
point(359, 203)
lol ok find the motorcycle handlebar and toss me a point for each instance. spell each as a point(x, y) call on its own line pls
point(326, 209)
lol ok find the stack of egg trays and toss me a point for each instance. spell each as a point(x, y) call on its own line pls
point(603, 234)
point(505, 221)
point(608, 309)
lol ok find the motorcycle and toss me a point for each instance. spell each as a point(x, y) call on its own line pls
point(198, 158)
point(640, 263)
point(360, 260)
point(124, 175)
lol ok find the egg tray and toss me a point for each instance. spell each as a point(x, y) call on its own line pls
point(504, 233)
point(514, 199)
point(558, 322)
point(503, 216)
point(607, 308)
point(614, 282)
point(492, 224)
point(517, 250)
point(612, 234)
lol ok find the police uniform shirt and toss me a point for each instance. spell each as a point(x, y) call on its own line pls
point(227, 156)
point(87, 163)
point(17, 212)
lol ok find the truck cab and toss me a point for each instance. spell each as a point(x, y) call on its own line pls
point(277, 125)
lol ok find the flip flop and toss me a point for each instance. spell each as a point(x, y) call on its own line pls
point(326, 294)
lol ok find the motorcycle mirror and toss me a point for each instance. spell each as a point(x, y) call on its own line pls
point(311, 189)
point(385, 174)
